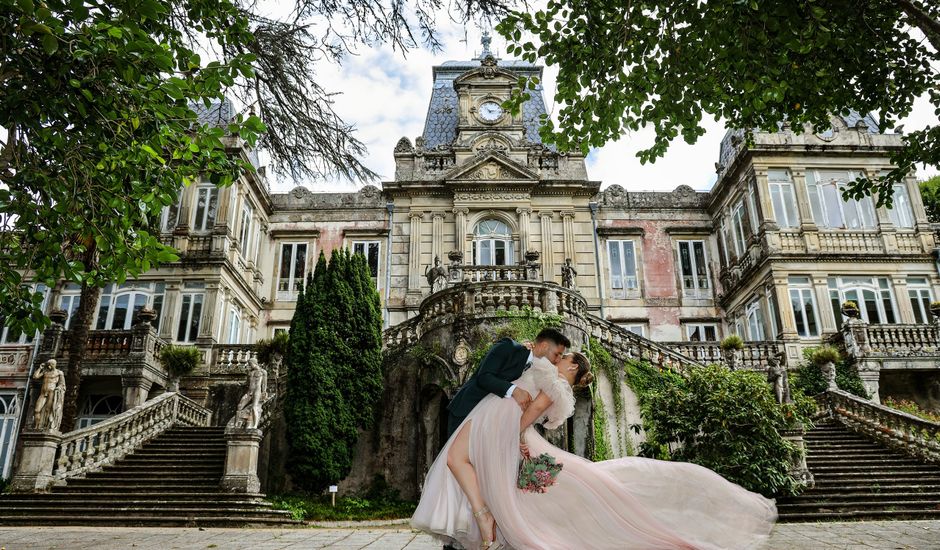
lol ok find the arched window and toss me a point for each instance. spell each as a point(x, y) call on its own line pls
point(98, 408)
point(492, 243)
point(9, 413)
point(120, 303)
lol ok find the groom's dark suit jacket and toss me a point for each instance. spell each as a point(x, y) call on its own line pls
point(503, 363)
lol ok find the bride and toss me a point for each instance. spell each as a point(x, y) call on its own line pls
point(470, 496)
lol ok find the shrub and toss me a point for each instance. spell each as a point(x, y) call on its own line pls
point(267, 348)
point(825, 354)
point(808, 377)
point(727, 421)
point(525, 324)
point(180, 360)
point(732, 342)
point(912, 408)
point(379, 501)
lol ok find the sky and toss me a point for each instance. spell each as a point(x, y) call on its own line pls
point(385, 95)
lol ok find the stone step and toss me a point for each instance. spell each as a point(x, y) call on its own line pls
point(814, 496)
point(852, 468)
point(11, 506)
point(132, 508)
point(877, 452)
point(860, 515)
point(161, 467)
point(816, 462)
point(133, 481)
point(79, 486)
point(839, 481)
point(58, 495)
point(862, 505)
point(168, 454)
point(155, 520)
point(195, 460)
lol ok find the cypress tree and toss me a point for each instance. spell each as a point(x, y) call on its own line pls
point(334, 370)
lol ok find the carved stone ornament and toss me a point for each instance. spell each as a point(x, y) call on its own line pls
point(489, 171)
point(404, 146)
point(300, 192)
point(370, 191)
point(490, 197)
point(461, 353)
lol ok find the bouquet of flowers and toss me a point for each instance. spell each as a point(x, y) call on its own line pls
point(537, 474)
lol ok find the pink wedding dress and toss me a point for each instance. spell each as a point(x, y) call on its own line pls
point(626, 503)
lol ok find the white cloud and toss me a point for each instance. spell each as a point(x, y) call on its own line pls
point(385, 96)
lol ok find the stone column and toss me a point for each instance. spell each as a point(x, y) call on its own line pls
point(241, 460)
point(437, 232)
point(171, 299)
point(36, 461)
point(765, 209)
point(547, 256)
point(567, 220)
point(807, 225)
point(414, 252)
point(524, 226)
point(905, 310)
point(460, 233)
point(787, 324)
point(826, 316)
point(135, 388)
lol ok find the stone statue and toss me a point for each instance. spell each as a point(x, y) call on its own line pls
point(829, 373)
point(248, 413)
point(568, 275)
point(779, 380)
point(436, 276)
point(47, 416)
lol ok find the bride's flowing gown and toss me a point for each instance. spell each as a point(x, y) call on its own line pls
point(634, 503)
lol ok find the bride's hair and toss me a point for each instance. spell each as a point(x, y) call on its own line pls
point(584, 377)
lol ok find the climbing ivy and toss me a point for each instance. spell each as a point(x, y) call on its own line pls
point(525, 324)
point(602, 449)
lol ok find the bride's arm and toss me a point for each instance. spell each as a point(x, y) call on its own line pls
point(535, 411)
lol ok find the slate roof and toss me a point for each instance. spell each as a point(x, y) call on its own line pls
point(440, 126)
point(219, 112)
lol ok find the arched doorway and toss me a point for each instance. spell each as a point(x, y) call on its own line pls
point(492, 243)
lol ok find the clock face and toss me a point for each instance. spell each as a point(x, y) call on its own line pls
point(490, 111)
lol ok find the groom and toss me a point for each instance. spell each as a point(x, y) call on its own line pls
point(504, 362)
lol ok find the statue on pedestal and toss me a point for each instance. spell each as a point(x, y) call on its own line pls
point(248, 413)
point(568, 275)
point(47, 415)
point(436, 276)
point(779, 380)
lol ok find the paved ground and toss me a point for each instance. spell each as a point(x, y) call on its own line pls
point(802, 536)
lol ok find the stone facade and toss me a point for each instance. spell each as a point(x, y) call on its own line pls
point(768, 253)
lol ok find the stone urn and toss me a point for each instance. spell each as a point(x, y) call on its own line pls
point(850, 310)
point(532, 256)
point(455, 257)
point(935, 309)
point(146, 316)
point(59, 316)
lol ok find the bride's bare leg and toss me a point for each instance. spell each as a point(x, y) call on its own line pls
point(458, 460)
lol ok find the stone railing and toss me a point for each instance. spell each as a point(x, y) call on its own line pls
point(899, 430)
point(791, 242)
point(231, 358)
point(88, 449)
point(483, 273)
point(754, 355)
point(402, 334)
point(488, 298)
point(108, 343)
point(897, 340)
point(623, 344)
point(850, 241)
point(909, 243)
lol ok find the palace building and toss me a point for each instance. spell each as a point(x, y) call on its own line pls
point(770, 253)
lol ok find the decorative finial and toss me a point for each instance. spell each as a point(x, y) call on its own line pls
point(486, 39)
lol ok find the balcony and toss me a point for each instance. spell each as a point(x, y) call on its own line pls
point(754, 356)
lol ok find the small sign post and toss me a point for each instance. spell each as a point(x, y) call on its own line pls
point(333, 490)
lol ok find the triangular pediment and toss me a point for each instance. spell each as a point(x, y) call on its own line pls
point(492, 166)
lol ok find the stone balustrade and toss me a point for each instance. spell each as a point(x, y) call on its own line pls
point(482, 273)
point(231, 358)
point(791, 242)
point(754, 355)
point(108, 343)
point(851, 241)
point(488, 298)
point(625, 345)
point(897, 340)
point(50, 458)
point(402, 334)
point(899, 430)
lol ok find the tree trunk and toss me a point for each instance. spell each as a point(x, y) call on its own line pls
point(77, 342)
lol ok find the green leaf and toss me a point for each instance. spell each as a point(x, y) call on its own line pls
point(49, 44)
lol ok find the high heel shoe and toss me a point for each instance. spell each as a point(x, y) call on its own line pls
point(488, 544)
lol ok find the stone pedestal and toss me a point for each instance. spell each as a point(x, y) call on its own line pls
point(241, 460)
point(870, 373)
point(135, 390)
point(37, 460)
point(798, 469)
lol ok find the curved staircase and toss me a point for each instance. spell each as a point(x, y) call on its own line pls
point(171, 480)
point(858, 478)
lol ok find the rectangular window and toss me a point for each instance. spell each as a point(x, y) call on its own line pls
point(292, 271)
point(69, 298)
point(622, 264)
point(639, 330)
point(783, 199)
point(207, 199)
point(693, 266)
point(169, 217)
point(825, 188)
point(901, 212)
point(190, 315)
point(755, 320)
point(119, 304)
point(772, 314)
point(370, 250)
point(244, 237)
point(872, 295)
point(737, 230)
point(803, 305)
point(918, 290)
point(701, 332)
point(234, 325)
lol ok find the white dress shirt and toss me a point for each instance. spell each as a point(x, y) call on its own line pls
point(512, 387)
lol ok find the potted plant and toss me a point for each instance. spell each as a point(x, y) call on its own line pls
point(732, 342)
point(850, 309)
point(826, 357)
point(272, 350)
point(178, 361)
point(935, 308)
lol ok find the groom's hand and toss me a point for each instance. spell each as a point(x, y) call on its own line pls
point(522, 397)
